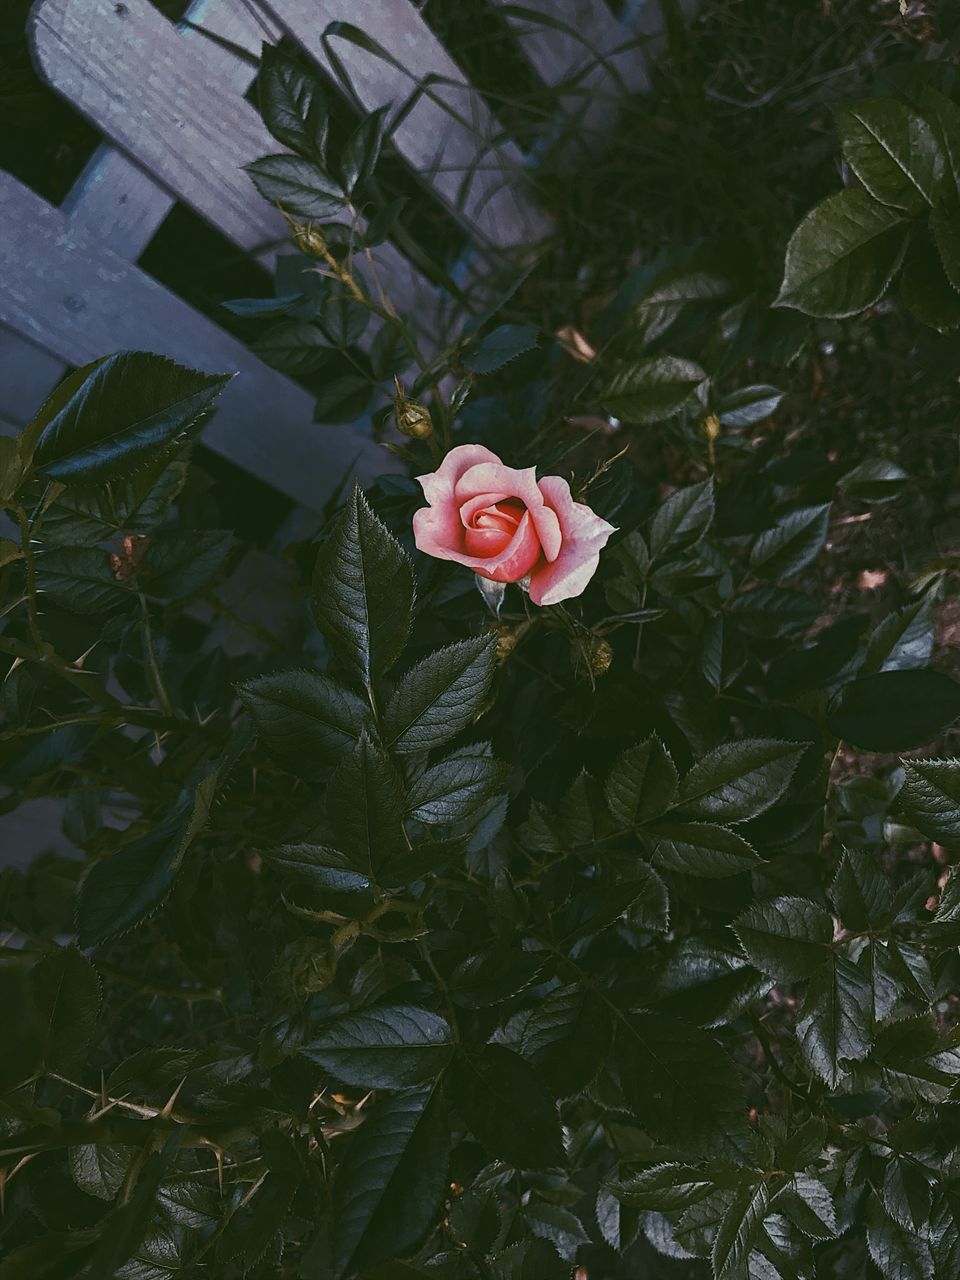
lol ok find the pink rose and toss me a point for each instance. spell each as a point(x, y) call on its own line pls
point(506, 524)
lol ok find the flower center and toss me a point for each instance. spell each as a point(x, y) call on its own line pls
point(490, 528)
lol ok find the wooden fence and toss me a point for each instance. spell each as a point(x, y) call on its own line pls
point(176, 127)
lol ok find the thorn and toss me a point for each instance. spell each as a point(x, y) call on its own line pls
point(167, 1109)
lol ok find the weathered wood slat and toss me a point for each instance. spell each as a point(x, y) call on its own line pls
point(71, 295)
point(190, 131)
point(27, 372)
point(454, 143)
point(122, 204)
point(127, 69)
point(117, 197)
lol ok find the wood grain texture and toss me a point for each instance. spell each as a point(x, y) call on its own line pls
point(122, 204)
point(190, 130)
point(116, 196)
point(69, 294)
point(451, 139)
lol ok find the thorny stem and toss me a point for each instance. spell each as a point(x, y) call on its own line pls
point(156, 679)
point(30, 565)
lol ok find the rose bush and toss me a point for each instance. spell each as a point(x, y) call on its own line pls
point(388, 940)
point(507, 526)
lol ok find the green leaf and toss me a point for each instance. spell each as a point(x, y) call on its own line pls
point(834, 1025)
point(859, 892)
point(809, 1205)
point(292, 103)
point(277, 306)
point(131, 408)
point(389, 1181)
point(182, 563)
point(66, 994)
point(906, 1194)
point(739, 1228)
point(795, 540)
point(916, 1061)
point(120, 891)
point(363, 592)
point(788, 937)
point(902, 641)
point(842, 256)
point(567, 1037)
point(894, 710)
point(343, 399)
point(343, 320)
point(924, 289)
point(595, 908)
point(893, 151)
point(387, 1047)
point(944, 115)
point(499, 347)
point(701, 849)
point(124, 1229)
point(748, 405)
point(361, 151)
point(304, 719)
point(454, 789)
point(562, 1228)
point(945, 228)
point(738, 780)
point(875, 480)
point(651, 910)
point(504, 1102)
point(642, 784)
point(365, 805)
point(930, 798)
point(440, 696)
point(297, 185)
point(491, 977)
point(323, 871)
point(706, 983)
point(99, 1170)
point(680, 1084)
point(256, 1225)
point(896, 1252)
point(80, 579)
point(665, 1187)
point(652, 390)
point(298, 347)
point(683, 519)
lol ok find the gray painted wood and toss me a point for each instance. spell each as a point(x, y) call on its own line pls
point(123, 204)
point(27, 373)
point(450, 139)
point(114, 194)
point(68, 293)
point(190, 130)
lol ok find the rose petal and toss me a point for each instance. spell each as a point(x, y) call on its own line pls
point(470, 508)
point(585, 535)
point(513, 563)
point(495, 477)
point(438, 486)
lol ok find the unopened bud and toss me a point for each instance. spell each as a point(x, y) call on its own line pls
point(506, 642)
point(413, 419)
point(308, 239)
point(599, 656)
point(711, 426)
